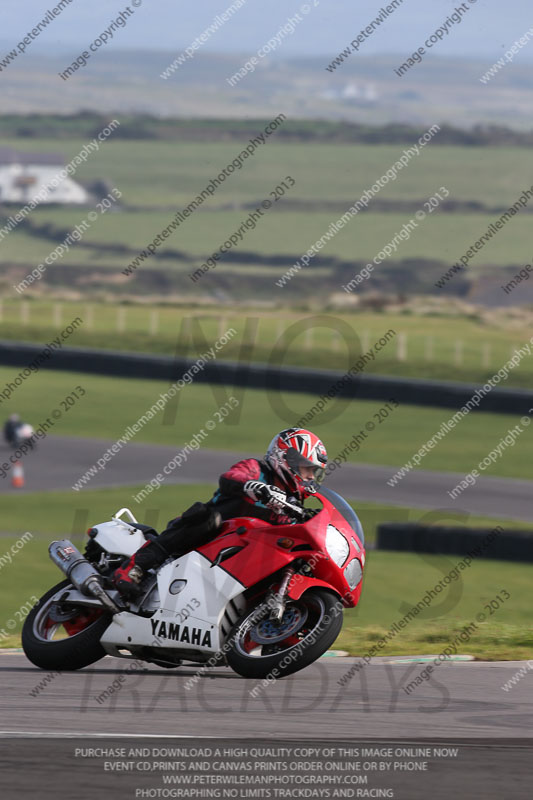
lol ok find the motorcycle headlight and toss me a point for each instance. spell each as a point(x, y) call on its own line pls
point(337, 545)
point(353, 573)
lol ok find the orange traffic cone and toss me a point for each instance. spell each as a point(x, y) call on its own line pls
point(17, 479)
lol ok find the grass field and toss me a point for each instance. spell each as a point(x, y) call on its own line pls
point(393, 581)
point(175, 172)
point(449, 348)
point(280, 232)
point(110, 405)
point(168, 175)
point(396, 581)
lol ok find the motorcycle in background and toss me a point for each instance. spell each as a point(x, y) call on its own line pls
point(18, 433)
point(24, 435)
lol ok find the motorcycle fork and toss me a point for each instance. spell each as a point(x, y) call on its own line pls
point(278, 599)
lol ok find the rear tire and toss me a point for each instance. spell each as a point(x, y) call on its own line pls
point(75, 652)
point(320, 626)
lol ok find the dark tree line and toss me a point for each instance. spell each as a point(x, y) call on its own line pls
point(144, 127)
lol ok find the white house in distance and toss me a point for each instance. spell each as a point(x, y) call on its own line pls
point(23, 175)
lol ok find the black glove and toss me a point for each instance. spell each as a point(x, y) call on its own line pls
point(271, 496)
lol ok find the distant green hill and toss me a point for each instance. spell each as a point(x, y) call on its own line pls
point(147, 127)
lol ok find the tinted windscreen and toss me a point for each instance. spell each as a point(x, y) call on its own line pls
point(346, 510)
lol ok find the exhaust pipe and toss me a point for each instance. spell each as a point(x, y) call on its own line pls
point(80, 572)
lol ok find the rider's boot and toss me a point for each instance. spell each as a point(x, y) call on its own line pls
point(127, 578)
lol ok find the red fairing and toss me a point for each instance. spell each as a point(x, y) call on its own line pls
point(263, 554)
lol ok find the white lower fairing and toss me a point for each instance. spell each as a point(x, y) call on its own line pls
point(211, 587)
point(193, 598)
point(127, 631)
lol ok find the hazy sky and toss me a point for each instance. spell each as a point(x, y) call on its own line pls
point(489, 27)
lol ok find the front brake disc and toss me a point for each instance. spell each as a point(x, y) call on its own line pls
point(269, 631)
point(58, 613)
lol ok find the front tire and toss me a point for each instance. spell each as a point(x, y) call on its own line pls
point(261, 648)
point(83, 626)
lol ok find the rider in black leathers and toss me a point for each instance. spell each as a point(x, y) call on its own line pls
point(10, 429)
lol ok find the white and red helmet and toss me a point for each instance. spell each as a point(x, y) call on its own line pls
point(292, 449)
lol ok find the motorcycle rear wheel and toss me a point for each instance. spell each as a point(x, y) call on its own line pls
point(309, 626)
point(83, 628)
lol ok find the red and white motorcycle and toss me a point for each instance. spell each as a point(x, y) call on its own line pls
point(265, 599)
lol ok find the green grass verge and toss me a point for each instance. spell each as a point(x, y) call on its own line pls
point(46, 514)
point(394, 582)
point(111, 404)
point(391, 579)
point(431, 347)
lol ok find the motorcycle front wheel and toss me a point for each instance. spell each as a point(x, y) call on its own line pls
point(59, 637)
point(260, 647)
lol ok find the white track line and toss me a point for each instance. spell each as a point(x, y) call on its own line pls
point(87, 734)
point(442, 742)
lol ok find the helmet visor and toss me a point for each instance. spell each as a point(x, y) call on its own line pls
point(304, 467)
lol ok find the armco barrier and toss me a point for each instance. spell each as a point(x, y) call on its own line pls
point(266, 376)
point(509, 545)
